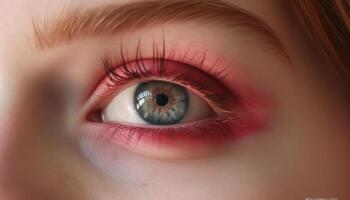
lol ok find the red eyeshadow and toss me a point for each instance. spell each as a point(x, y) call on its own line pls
point(239, 111)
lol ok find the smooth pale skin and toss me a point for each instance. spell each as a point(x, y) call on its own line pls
point(303, 154)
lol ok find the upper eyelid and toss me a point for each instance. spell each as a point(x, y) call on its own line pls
point(112, 19)
point(126, 71)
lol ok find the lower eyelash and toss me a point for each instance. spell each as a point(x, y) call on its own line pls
point(213, 131)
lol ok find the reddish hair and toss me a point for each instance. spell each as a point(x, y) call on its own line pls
point(328, 25)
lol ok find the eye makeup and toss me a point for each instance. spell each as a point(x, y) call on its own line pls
point(232, 116)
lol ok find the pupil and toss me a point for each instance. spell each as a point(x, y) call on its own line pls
point(162, 99)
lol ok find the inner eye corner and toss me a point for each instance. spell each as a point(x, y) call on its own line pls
point(95, 116)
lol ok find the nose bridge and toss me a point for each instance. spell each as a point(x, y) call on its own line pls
point(13, 91)
point(12, 100)
point(7, 99)
point(33, 122)
point(32, 129)
point(32, 106)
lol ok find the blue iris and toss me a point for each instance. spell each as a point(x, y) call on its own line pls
point(161, 102)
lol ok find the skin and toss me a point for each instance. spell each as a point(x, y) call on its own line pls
point(302, 154)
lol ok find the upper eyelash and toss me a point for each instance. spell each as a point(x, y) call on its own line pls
point(160, 59)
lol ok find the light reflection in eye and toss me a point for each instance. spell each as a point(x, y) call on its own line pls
point(141, 99)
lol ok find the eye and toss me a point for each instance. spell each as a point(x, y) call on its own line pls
point(169, 106)
point(156, 102)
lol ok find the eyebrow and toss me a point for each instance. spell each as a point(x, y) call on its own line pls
point(108, 20)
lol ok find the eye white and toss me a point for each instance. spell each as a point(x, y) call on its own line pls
point(122, 108)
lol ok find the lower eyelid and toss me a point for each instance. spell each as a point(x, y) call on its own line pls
point(191, 140)
point(178, 143)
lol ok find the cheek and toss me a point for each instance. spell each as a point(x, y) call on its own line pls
point(215, 178)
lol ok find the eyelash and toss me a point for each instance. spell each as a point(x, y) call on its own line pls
point(229, 121)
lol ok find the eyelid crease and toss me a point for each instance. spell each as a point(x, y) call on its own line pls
point(111, 19)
